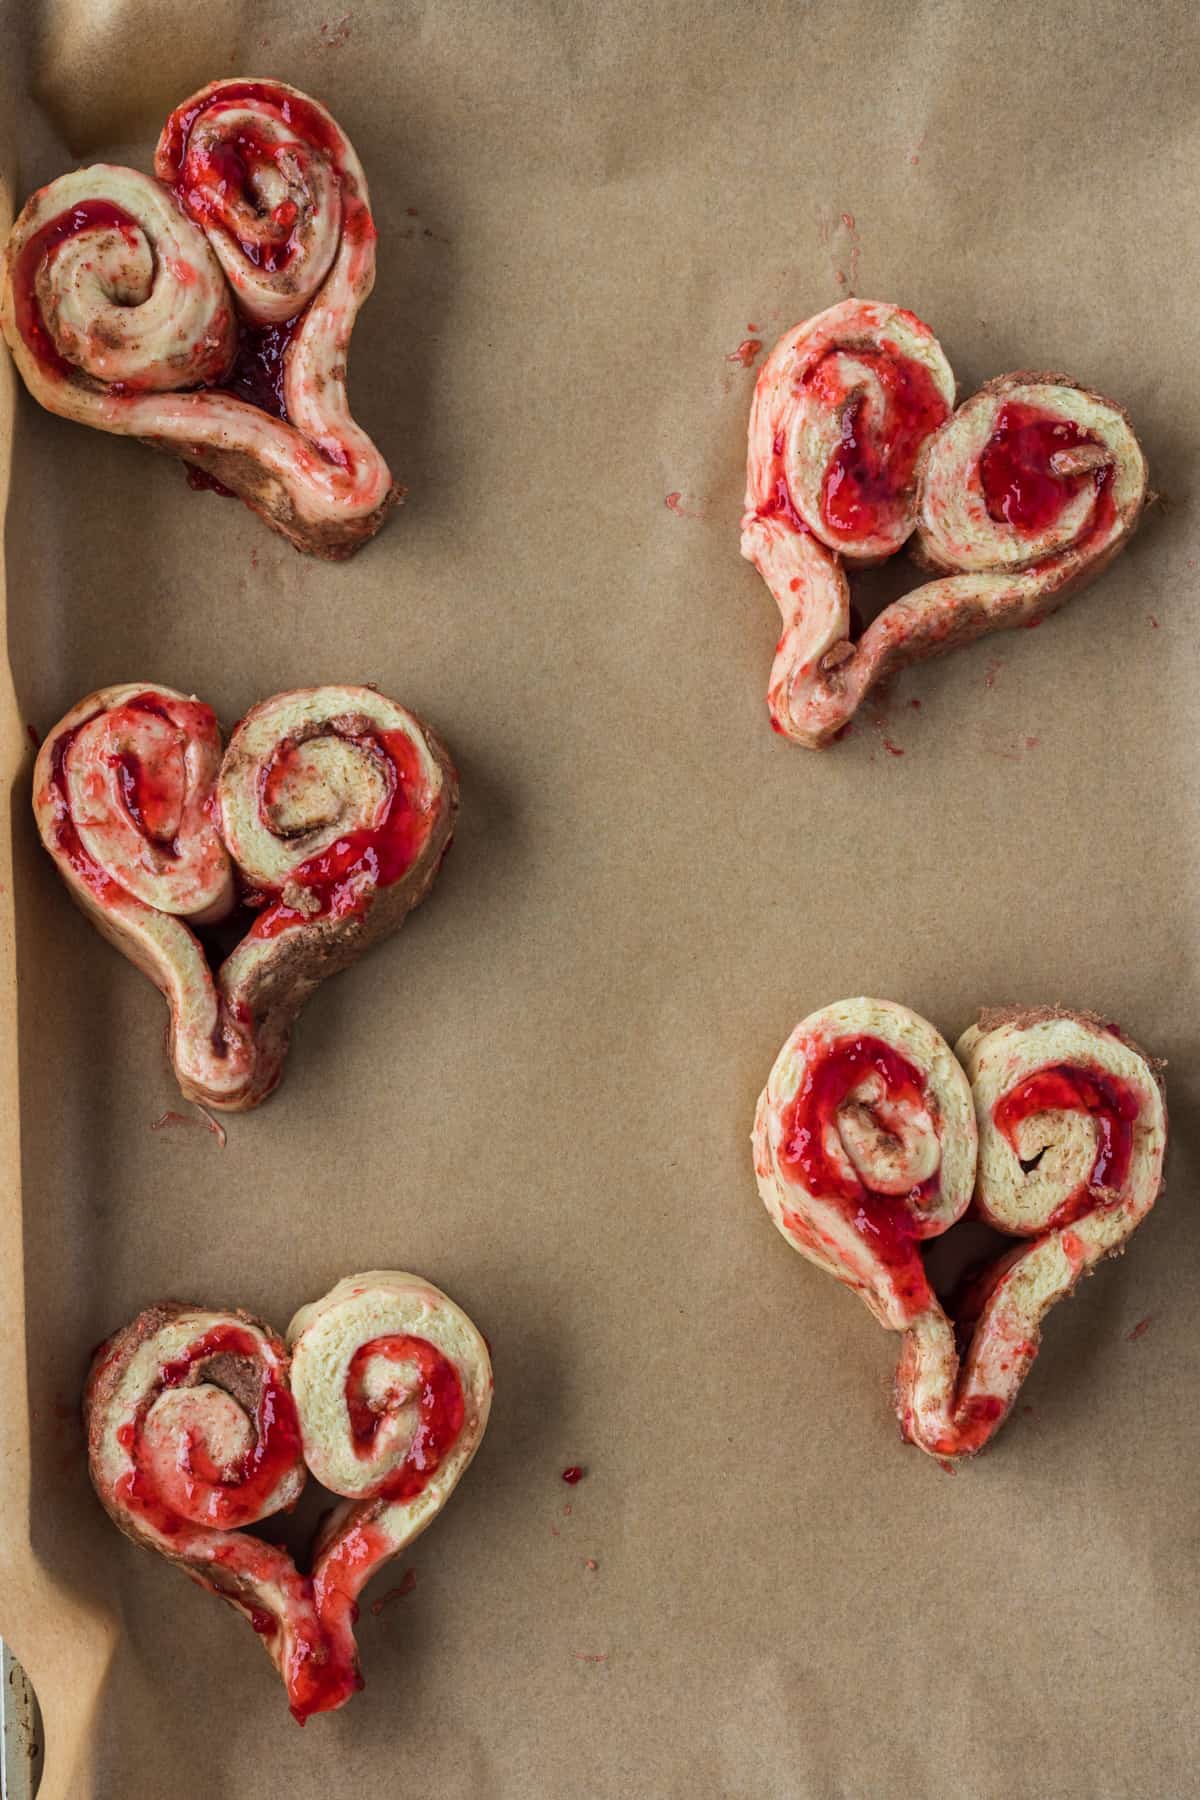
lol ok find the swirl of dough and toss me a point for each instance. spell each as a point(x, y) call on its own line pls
point(864, 1144)
point(193, 1435)
point(393, 1385)
point(338, 806)
point(842, 409)
point(117, 309)
point(124, 793)
point(110, 289)
point(1072, 1135)
point(1018, 499)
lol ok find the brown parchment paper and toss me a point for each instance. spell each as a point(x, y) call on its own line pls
point(540, 1094)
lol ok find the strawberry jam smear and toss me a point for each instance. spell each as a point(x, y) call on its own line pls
point(220, 1498)
point(437, 1391)
point(1020, 486)
point(343, 878)
point(868, 483)
point(881, 1220)
point(1113, 1106)
point(87, 215)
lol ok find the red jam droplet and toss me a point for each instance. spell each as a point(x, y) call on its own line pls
point(1112, 1104)
point(1020, 486)
point(881, 1220)
point(572, 1475)
point(343, 877)
point(868, 483)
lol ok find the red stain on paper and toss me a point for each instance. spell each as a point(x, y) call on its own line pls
point(746, 352)
point(205, 1122)
point(408, 1582)
point(1140, 1329)
point(589, 1562)
point(892, 749)
point(914, 155)
point(592, 1656)
point(334, 32)
point(1153, 622)
point(674, 503)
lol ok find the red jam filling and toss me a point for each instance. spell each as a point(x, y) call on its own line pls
point(779, 503)
point(151, 797)
point(294, 109)
point(975, 1421)
point(319, 1679)
point(224, 165)
point(229, 1497)
point(217, 171)
point(1020, 486)
point(438, 1393)
point(88, 215)
point(66, 836)
point(881, 1220)
point(258, 369)
point(343, 877)
point(869, 479)
point(1112, 1104)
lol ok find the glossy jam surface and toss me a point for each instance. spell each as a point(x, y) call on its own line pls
point(258, 369)
point(215, 172)
point(221, 1498)
point(88, 215)
point(1113, 1106)
point(868, 483)
point(437, 1391)
point(779, 503)
point(152, 793)
point(883, 1221)
point(309, 121)
point(1020, 487)
point(343, 877)
point(205, 179)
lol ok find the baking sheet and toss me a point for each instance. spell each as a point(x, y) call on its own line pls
point(540, 1093)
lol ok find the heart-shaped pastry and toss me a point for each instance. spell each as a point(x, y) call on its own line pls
point(1017, 499)
point(330, 812)
point(208, 312)
point(200, 1423)
point(872, 1135)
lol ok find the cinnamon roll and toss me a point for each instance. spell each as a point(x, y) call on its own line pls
point(330, 811)
point(870, 1138)
point(208, 312)
point(1018, 499)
